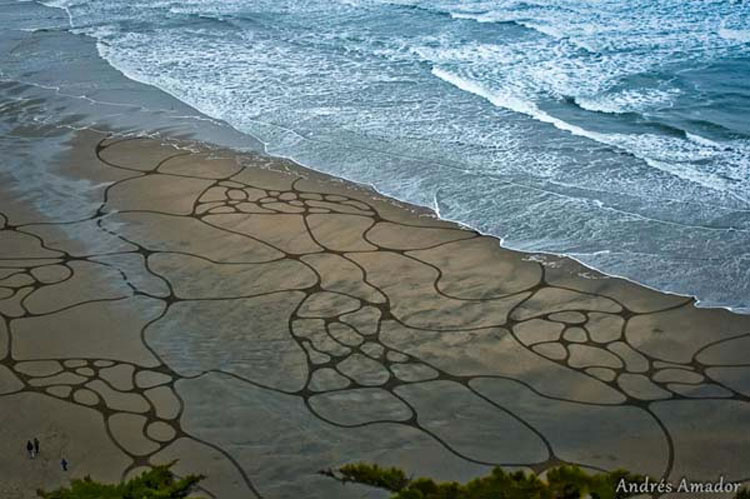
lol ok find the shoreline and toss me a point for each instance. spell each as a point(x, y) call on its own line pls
point(602, 274)
point(432, 212)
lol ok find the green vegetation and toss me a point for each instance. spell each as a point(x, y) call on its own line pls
point(564, 482)
point(392, 479)
point(156, 483)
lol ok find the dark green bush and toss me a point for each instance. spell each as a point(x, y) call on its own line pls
point(392, 479)
point(156, 483)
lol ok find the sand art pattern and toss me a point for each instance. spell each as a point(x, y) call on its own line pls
point(261, 323)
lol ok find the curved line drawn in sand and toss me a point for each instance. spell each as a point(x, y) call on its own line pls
point(261, 322)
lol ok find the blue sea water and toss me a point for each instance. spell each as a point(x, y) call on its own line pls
point(615, 132)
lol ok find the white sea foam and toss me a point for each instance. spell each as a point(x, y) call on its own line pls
point(702, 141)
point(511, 102)
point(738, 35)
point(58, 4)
point(550, 29)
point(668, 154)
point(546, 29)
point(487, 17)
point(637, 100)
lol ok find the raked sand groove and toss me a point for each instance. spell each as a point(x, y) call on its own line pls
point(260, 322)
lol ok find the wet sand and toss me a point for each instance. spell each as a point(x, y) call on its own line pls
point(260, 322)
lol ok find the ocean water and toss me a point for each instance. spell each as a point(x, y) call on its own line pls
point(614, 132)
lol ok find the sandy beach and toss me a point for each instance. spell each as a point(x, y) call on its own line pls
point(260, 322)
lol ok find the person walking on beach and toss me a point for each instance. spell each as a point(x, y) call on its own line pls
point(30, 449)
point(64, 464)
point(36, 446)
